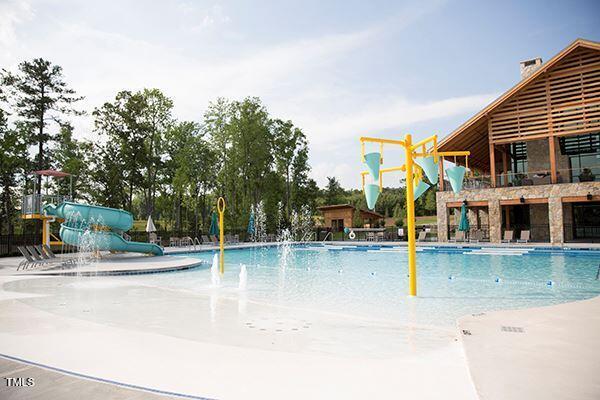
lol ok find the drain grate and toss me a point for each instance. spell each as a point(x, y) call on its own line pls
point(513, 329)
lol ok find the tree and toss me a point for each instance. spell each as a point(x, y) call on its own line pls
point(13, 149)
point(290, 153)
point(40, 95)
point(72, 156)
point(137, 123)
point(334, 193)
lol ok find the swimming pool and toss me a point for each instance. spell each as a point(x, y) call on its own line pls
point(371, 281)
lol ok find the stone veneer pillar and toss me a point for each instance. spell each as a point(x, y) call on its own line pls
point(495, 218)
point(555, 217)
point(442, 221)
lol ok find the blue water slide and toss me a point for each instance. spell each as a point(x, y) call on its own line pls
point(78, 217)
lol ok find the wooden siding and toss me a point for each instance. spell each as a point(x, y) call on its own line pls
point(565, 100)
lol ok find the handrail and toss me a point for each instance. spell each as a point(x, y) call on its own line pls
point(326, 236)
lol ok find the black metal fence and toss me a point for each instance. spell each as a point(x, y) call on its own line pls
point(581, 233)
point(9, 243)
point(537, 232)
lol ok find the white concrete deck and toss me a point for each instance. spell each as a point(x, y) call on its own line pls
point(108, 264)
point(550, 353)
point(199, 345)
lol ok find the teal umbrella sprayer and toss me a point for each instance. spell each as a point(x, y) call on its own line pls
point(373, 161)
point(371, 194)
point(456, 175)
point(430, 167)
point(214, 224)
point(420, 189)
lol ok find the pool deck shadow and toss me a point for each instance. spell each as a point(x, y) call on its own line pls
point(548, 353)
point(49, 384)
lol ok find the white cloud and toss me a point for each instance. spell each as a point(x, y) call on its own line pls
point(296, 78)
point(12, 13)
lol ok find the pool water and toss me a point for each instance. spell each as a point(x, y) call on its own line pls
point(372, 282)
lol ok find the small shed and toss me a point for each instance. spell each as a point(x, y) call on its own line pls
point(339, 216)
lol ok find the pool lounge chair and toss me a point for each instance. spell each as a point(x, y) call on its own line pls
point(508, 237)
point(476, 237)
point(524, 237)
point(422, 236)
point(28, 261)
point(174, 241)
point(34, 259)
point(459, 236)
point(155, 239)
point(205, 240)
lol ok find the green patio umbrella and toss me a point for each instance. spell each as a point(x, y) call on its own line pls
point(214, 224)
point(251, 228)
point(464, 220)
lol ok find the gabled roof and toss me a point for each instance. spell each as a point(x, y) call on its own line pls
point(343, 206)
point(481, 115)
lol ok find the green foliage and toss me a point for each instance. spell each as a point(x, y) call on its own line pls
point(38, 96)
point(334, 193)
point(13, 162)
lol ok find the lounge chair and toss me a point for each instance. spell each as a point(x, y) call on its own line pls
point(174, 241)
point(370, 237)
point(476, 237)
point(206, 240)
point(48, 251)
point(28, 259)
point(422, 236)
point(508, 237)
point(236, 239)
point(155, 239)
point(524, 237)
point(459, 236)
point(35, 259)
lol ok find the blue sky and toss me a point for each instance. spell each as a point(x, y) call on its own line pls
point(338, 69)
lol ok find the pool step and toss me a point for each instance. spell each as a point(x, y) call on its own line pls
point(498, 251)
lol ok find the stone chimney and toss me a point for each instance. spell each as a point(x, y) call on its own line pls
point(528, 67)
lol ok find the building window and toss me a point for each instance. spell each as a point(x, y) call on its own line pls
point(586, 220)
point(337, 225)
point(584, 156)
point(518, 157)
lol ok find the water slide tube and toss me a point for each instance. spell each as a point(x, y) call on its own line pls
point(78, 216)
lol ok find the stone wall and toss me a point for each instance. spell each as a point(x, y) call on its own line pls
point(554, 194)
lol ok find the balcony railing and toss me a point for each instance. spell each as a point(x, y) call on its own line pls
point(530, 178)
point(581, 233)
point(33, 203)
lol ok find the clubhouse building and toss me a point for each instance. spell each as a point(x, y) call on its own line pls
point(535, 156)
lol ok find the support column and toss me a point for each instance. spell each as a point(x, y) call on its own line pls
point(442, 219)
point(507, 216)
point(495, 221)
point(555, 220)
point(441, 173)
point(552, 150)
point(493, 164)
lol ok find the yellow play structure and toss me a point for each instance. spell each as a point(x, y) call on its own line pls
point(33, 203)
point(421, 157)
point(221, 210)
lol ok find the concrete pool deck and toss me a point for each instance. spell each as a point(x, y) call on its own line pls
point(537, 353)
point(137, 347)
point(555, 357)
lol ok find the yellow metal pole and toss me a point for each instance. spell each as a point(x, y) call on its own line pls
point(410, 219)
point(221, 209)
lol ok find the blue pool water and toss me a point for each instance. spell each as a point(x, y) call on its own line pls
point(372, 281)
